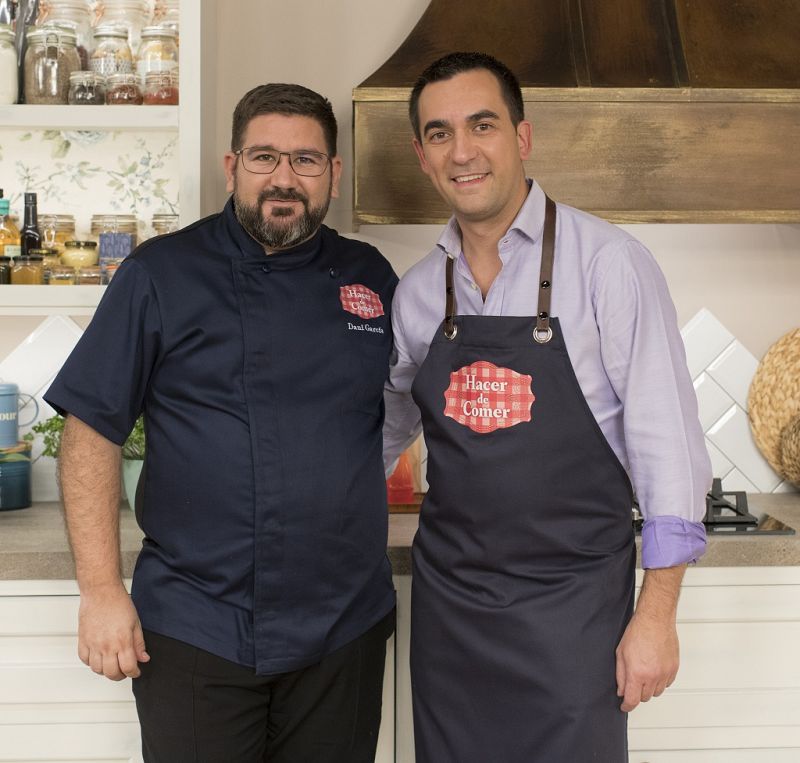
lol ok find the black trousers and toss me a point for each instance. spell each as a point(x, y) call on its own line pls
point(195, 707)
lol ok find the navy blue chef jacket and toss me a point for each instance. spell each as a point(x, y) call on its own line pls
point(263, 501)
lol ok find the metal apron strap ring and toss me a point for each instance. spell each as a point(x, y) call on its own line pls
point(542, 334)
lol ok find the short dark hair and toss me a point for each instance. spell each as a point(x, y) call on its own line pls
point(456, 63)
point(280, 98)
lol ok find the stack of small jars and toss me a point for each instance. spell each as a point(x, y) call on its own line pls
point(128, 55)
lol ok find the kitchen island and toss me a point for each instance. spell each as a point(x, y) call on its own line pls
point(736, 700)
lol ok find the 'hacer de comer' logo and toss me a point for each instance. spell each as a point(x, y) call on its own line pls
point(361, 301)
point(486, 397)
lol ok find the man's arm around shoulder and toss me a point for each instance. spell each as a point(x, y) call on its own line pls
point(110, 638)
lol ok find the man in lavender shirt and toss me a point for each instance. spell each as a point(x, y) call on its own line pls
point(537, 348)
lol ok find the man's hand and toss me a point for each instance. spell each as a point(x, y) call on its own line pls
point(648, 655)
point(110, 639)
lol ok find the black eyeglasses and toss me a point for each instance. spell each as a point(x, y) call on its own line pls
point(264, 161)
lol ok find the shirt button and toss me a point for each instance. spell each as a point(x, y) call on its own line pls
point(266, 268)
point(474, 287)
point(333, 272)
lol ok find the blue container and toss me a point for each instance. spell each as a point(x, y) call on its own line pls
point(15, 477)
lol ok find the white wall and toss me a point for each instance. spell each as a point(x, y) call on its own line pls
point(747, 275)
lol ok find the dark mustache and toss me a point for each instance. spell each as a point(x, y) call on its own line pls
point(281, 194)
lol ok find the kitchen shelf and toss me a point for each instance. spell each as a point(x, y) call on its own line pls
point(89, 117)
point(49, 300)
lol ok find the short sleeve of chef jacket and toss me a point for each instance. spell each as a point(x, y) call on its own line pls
point(104, 380)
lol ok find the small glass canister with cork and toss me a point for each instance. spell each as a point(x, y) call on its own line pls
point(9, 87)
point(112, 54)
point(49, 60)
point(62, 276)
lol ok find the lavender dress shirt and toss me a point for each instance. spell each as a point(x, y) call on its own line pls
point(621, 333)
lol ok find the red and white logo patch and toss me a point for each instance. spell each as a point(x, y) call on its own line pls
point(486, 397)
point(361, 301)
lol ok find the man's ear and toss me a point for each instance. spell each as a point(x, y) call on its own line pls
point(423, 162)
point(229, 165)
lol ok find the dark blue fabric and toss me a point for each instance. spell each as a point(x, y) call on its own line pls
point(263, 500)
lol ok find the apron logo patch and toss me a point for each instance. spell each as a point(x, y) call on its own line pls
point(361, 301)
point(486, 397)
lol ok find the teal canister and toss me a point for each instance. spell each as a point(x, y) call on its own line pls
point(10, 399)
point(15, 477)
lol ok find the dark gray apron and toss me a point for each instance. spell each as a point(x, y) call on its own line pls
point(523, 566)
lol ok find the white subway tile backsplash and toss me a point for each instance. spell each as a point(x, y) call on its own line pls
point(731, 434)
point(735, 480)
point(712, 400)
point(720, 464)
point(704, 338)
point(734, 370)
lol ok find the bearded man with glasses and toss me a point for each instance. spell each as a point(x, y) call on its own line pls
point(256, 343)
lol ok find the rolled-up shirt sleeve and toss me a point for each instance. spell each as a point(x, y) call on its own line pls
point(645, 360)
point(105, 378)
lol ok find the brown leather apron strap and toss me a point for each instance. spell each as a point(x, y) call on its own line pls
point(450, 329)
point(543, 333)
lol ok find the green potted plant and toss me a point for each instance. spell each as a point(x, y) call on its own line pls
point(132, 451)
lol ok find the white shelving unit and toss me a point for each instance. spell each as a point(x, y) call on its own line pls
point(192, 120)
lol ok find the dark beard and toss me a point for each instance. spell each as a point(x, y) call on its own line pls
point(270, 231)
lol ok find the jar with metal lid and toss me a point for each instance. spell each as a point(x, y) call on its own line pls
point(117, 235)
point(167, 13)
point(79, 254)
point(157, 52)
point(56, 230)
point(27, 270)
point(112, 54)
point(130, 14)
point(62, 276)
point(161, 89)
point(86, 89)
point(123, 90)
point(75, 14)
point(91, 276)
point(164, 222)
point(5, 270)
point(109, 267)
point(50, 259)
point(49, 60)
point(8, 66)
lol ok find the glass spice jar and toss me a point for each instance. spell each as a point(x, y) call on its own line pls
point(167, 13)
point(112, 54)
point(109, 267)
point(129, 14)
point(123, 90)
point(117, 234)
point(50, 260)
point(157, 52)
point(8, 66)
point(92, 276)
point(49, 60)
point(27, 270)
point(62, 276)
point(79, 254)
point(164, 222)
point(74, 14)
point(86, 89)
point(161, 89)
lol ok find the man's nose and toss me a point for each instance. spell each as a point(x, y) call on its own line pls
point(283, 175)
point(464, 148)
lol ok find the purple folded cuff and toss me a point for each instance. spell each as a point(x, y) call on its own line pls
point(669, 541)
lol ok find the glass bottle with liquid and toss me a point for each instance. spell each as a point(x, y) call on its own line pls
point(30, 237)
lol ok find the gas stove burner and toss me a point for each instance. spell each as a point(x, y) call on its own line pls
point(728, 514)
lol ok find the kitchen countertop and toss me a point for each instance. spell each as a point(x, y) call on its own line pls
point(33, 544)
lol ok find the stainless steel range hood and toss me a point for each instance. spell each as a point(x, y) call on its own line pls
point(643, 110)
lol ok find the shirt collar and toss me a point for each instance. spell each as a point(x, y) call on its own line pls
point(529, 222)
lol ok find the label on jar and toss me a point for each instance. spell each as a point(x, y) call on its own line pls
point(143, 68)
point(116, 246)
point(12, 250)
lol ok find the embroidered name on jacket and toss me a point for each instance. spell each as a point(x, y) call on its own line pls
point(361, 301)
point(486, 397)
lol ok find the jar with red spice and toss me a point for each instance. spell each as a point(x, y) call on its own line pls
point(123, 90)
point(161, 88)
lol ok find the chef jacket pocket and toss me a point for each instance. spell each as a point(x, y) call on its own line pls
point(370, 364)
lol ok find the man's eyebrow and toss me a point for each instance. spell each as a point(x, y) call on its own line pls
point(479, 116)
point(435, 124)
